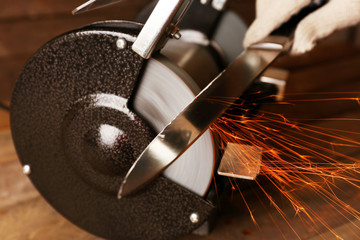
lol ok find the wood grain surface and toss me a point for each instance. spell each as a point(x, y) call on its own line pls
point(24, 214)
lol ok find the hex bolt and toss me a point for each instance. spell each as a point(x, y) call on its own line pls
point(174, 32)
point(121, 43)
point(194, 218)
point(177, 35)
point(27, 169)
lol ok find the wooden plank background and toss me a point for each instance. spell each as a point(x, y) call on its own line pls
point(25, 25)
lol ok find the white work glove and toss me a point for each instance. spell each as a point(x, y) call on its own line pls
point(334, 15)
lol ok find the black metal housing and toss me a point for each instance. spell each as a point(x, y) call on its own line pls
point(71, 91)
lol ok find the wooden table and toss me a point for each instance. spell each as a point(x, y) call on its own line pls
point(24, 214)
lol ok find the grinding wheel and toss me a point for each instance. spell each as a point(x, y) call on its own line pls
point(164, 91)
point(83, 110)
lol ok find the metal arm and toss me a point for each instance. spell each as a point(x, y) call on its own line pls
point(160, 26)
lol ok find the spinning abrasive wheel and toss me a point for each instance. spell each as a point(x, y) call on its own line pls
point(86, 105)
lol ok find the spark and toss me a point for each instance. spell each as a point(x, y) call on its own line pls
point(297, 156)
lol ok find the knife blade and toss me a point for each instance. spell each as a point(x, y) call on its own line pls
point(208, 105)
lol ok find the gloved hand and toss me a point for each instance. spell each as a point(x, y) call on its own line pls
point(334, 15)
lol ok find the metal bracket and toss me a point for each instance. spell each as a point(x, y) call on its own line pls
point(278, 77)
point(161, 25)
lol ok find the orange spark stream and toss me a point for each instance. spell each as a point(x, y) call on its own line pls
point(298, 156)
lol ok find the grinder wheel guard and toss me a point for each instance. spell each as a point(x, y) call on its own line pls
point(80, 118)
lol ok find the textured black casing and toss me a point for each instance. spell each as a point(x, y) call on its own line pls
point(71, 91)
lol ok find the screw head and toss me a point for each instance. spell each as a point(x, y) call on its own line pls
point(121, 43)
point(27, 169)
point(194, 218)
